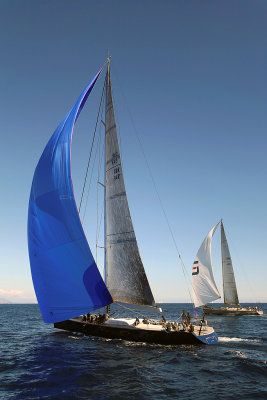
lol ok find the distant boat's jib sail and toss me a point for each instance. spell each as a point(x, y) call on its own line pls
point(66, 279)
point(203, 282)
point(125, 275)
point(229, 285)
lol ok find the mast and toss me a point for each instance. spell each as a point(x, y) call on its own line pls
point(229, 285)
point(105, 179)
point(105, 190)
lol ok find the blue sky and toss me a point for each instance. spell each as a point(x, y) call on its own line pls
point(193, 75)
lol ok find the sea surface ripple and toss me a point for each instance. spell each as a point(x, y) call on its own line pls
point(38, 362)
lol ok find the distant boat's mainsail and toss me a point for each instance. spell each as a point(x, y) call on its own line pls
point(229, 285)
point(203, 282)
point(125, 275)
point(66, 279)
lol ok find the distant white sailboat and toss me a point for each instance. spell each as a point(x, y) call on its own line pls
point(204, 285)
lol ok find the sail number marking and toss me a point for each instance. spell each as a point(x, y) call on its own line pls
point(116, 173)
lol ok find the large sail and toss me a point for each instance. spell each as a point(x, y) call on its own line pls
point(125, 275)
point(229, 285)
point(203, 282)
point(66, 279)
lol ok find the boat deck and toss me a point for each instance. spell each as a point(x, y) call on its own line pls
point(155, 326)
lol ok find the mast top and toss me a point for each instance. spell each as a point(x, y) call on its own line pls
point(108, 70)
point(108, 63)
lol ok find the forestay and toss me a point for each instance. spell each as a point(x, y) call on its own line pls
point(203, 282)
point(66, 279)
point(229, 285)
point(125, 275)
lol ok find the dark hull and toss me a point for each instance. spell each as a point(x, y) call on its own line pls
point(137, 335)
point(231, 311)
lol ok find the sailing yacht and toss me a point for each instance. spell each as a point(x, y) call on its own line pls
point(204, 285)
point(66, 279)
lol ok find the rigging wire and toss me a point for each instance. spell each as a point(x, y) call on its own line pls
point(98, 223)
point(92, 145)
point(89, 185)
point(136, 311)
point(157, 192)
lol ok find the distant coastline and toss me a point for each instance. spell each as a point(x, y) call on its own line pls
point(4, 301)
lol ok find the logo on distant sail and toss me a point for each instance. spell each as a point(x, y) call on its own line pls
point(195, 268)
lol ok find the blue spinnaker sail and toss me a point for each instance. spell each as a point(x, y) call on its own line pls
point(66, 279)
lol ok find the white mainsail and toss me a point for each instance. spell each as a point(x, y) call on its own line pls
point(229, 285)
point(203, 282)
point(125, 275)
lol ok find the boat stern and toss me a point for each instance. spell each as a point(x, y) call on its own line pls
point(207, 338)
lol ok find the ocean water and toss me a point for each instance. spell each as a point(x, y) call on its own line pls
point(38, 362)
